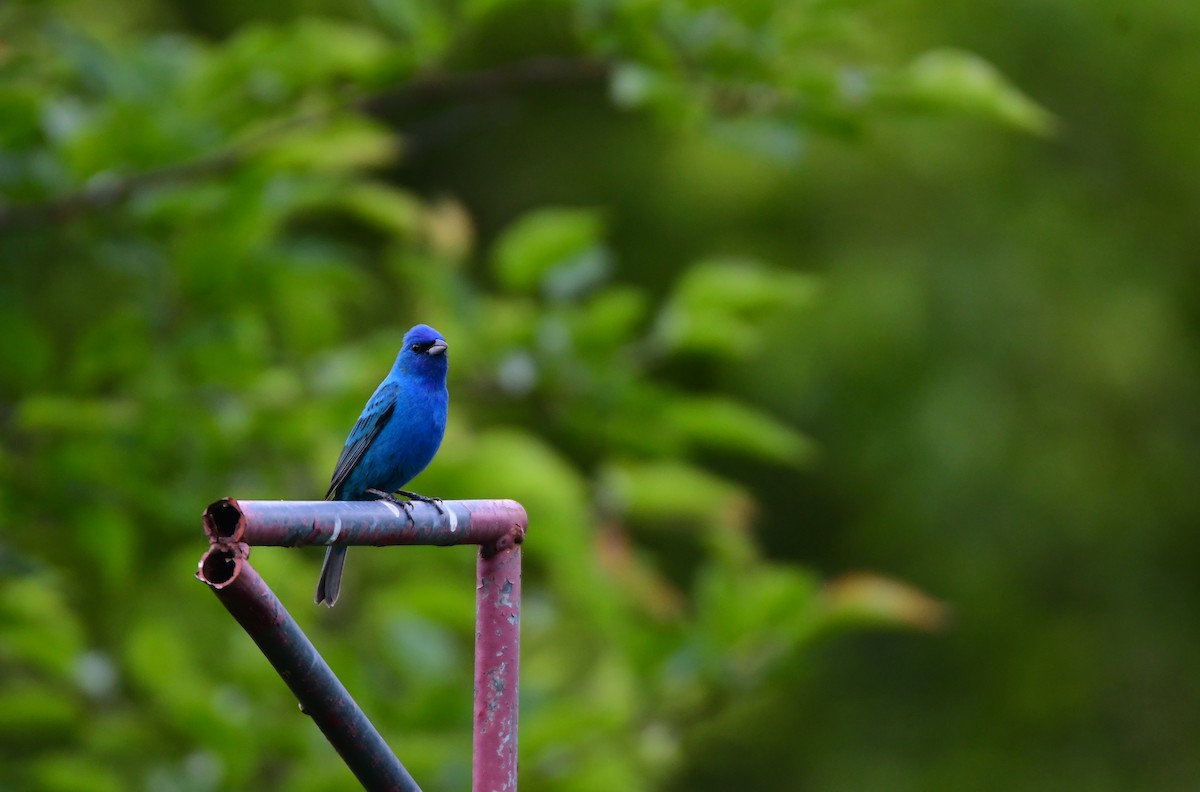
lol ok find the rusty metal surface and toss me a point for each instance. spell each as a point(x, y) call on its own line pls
point(378, 523)
point(497, 526)
point(247, 597)
point(497, 658)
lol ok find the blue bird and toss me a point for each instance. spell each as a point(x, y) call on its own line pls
point(396, 436)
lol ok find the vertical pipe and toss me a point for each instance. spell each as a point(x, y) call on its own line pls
point(497, 655)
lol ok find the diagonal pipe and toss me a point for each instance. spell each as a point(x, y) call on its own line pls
point(321, 695)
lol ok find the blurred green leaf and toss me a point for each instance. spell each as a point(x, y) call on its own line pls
point(54, 413)
point(395, 211)
point(948, 80)
point(543, 241)
point(425, 25)
point(727, 424)
point(674, 491)
point(868, 599)
point(159, 663)
point(38, 629)
point(33, 712)
point(65, 772)
point(634, 84)
point(720, 306)
point(344, 144)
point(25, 352)
point(608, 319)
point(750, 619)
point(106, 535)
point(275, 61)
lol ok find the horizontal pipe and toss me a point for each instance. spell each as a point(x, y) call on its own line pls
point(375, 522)
point(226, 569)
point(497, 657)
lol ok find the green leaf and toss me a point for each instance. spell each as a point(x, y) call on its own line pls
point(750, 619)
point(388, 208)
point(423, 23)
point(633, 85)
point(71, 772)
point(106, 536)
point(275, 61)
point(720, 306)
point(341, 48)
point(609, 319)
point(25, 350)
point(161, 662)
point(65, 414)
point(864, 599)
point(949, 80)
point(40, 631)
point(772, 138)
point(724, 423)
point(544, 240)
point(673, 491)
point(36, 710)
point(345, 144)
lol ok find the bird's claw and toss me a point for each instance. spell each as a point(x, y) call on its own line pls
point(435, 502)
point(412, 496)
point(390, 498)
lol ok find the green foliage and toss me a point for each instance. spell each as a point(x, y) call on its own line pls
point(762, 73)
point(224, 315)
point(754, 217)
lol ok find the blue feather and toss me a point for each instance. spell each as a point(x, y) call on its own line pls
point(395, 438)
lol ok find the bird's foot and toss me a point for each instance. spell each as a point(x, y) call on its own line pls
point(390, 498)
point(435, 502)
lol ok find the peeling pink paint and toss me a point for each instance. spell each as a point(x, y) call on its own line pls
point(497, 654)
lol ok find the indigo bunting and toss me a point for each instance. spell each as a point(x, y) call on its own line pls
point(396, 436)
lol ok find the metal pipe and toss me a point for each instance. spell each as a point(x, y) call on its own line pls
point(497, 656)
point(498, 526)
point(377, 522)
point(226, 569)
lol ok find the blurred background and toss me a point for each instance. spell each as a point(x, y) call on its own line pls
point(844, 355)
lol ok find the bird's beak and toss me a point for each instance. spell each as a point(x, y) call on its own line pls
point(438, 347)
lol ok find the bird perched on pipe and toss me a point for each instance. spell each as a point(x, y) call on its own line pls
point(394, 439)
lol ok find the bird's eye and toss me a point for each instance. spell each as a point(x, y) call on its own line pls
point(415, 347)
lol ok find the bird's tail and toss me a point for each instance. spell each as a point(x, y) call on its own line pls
point(331, 576)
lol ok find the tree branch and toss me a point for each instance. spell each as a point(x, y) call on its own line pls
point(427, 89)
point(109, 192)
point(531, 73)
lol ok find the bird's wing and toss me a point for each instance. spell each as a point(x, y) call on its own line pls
point(377, 412)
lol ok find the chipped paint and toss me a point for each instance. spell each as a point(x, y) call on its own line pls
point(497, 526)
point(497, 656)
